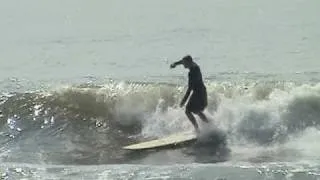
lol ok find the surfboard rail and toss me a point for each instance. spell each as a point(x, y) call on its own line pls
point(171, 140)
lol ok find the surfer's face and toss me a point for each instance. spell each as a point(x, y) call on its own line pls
point(186, 64)
point(187, 61)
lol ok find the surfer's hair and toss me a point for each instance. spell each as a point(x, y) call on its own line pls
point(187, 59)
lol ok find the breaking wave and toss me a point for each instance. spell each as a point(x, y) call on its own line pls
point(89, 124)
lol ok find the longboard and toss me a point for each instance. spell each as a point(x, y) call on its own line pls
point(173, 139)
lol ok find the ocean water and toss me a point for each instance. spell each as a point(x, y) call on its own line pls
point(80, 79)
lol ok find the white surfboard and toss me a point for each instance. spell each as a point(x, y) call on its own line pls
point(171, 140)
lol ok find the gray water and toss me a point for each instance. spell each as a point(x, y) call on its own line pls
point(80, 79)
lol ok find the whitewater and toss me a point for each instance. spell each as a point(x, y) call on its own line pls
point(79, 80)
point(267, 125)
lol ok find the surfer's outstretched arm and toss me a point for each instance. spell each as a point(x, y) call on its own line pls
point(173, 65)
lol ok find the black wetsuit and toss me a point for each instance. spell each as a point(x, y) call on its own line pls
point(198, 100)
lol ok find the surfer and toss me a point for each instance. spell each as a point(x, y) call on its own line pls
point(198, 100)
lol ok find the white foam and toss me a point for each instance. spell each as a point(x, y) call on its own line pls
point(255, 126)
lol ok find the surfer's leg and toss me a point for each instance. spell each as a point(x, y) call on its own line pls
point(203, 117)
point(202, 103)
point(193, 120)
point(190, 108)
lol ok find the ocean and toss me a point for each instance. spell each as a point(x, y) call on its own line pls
point(81, 79)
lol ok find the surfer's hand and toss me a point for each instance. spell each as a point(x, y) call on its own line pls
point(173, 65)
point(182, 104)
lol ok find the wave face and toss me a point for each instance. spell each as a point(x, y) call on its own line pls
point(89, 124)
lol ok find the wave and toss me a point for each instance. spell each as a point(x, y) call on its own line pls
point(89, 124)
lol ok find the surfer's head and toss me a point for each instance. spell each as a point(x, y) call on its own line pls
point(187, 61)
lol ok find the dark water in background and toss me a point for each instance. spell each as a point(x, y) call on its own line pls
point(79, 80)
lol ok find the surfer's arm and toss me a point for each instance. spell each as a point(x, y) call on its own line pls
point(190, 85)
point(173, 65)
point(185, 97)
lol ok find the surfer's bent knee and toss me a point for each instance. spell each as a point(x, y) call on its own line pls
point(188, 112)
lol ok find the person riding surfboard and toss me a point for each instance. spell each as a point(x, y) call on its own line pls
point(198, 100)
